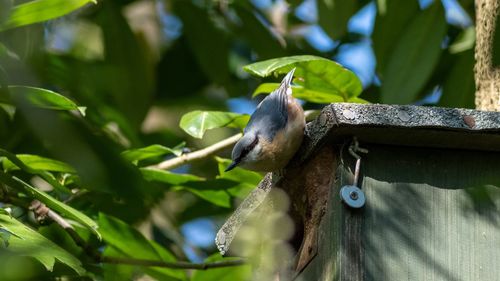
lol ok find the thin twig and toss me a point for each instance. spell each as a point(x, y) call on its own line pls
point(196, 155)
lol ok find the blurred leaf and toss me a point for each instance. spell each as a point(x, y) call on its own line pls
point(42, 98)
point(391, 21)
point(28, 242)
point(41, 10)
point(154, 150)
point(314, 73)
point(333, 16)
point(209, 43)
point(38, 163)
point(197, 122)
point(117, 272)
point(152, 174)
point(459, 87)
point(5, 9)
point(125, 80)
point(131, 243)
point(51, 202)
point(222, 274)
point(415, 56)
point(4, 236)
point(465, 41)
point(260, 37)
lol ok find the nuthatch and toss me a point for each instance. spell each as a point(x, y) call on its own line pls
point(274, 132)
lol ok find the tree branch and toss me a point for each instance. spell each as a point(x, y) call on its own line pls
point(196, 155)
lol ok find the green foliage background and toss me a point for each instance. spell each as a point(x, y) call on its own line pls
point(95, 93)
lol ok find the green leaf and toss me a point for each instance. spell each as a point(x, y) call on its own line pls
point(314, 73)
point(465, 41)
point(154, 150)
point(117, 272)
point(333, 16)
point(40, 10)
point(262, 39)
point(28, 242)
point(208, 42)
point(131, 243)
point(152, 174)
point(14, 160)
point(237, 174)
point(38, 163)
point(459, 87)
point(415, 56)
point(5, 8)
point(218, 191)
point(300, 93)
point(391, 21)
point(43, 98)
point(242, 272)
point(51, 202)
point(245, 180)
point(197, 122)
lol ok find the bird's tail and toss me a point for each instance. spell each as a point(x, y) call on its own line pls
point(287, 81)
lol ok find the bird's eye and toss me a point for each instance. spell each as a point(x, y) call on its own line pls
point(248, 148)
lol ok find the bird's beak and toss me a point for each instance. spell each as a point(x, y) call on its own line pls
point(231, 166)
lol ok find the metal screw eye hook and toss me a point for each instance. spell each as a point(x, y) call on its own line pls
point(352, 195)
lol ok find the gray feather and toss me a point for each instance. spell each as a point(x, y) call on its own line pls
point(271, 114)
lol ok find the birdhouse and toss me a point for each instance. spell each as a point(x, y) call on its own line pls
point(387, 192)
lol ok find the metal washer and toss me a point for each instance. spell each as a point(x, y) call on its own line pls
point(353, 196)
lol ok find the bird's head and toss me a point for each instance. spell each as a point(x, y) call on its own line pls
point(246, 151)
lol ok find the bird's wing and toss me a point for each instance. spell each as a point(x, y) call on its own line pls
point(271, 114)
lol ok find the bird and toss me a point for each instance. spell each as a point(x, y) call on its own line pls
point(274, 132)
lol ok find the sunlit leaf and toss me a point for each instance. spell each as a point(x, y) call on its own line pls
point(415, 56)
point(197, 122)
point(11, 161)
point(38, 163)
point(50, 201)
point(43, 98)
point(465, 41)
point(242, 272)
point(152, 174)
point(154, 150)
point(313, 73)
point(300, 93)
point(27, 242)
point(40, 10)
point(131, 243)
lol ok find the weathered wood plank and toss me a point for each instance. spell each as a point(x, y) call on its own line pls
point(429, 215)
